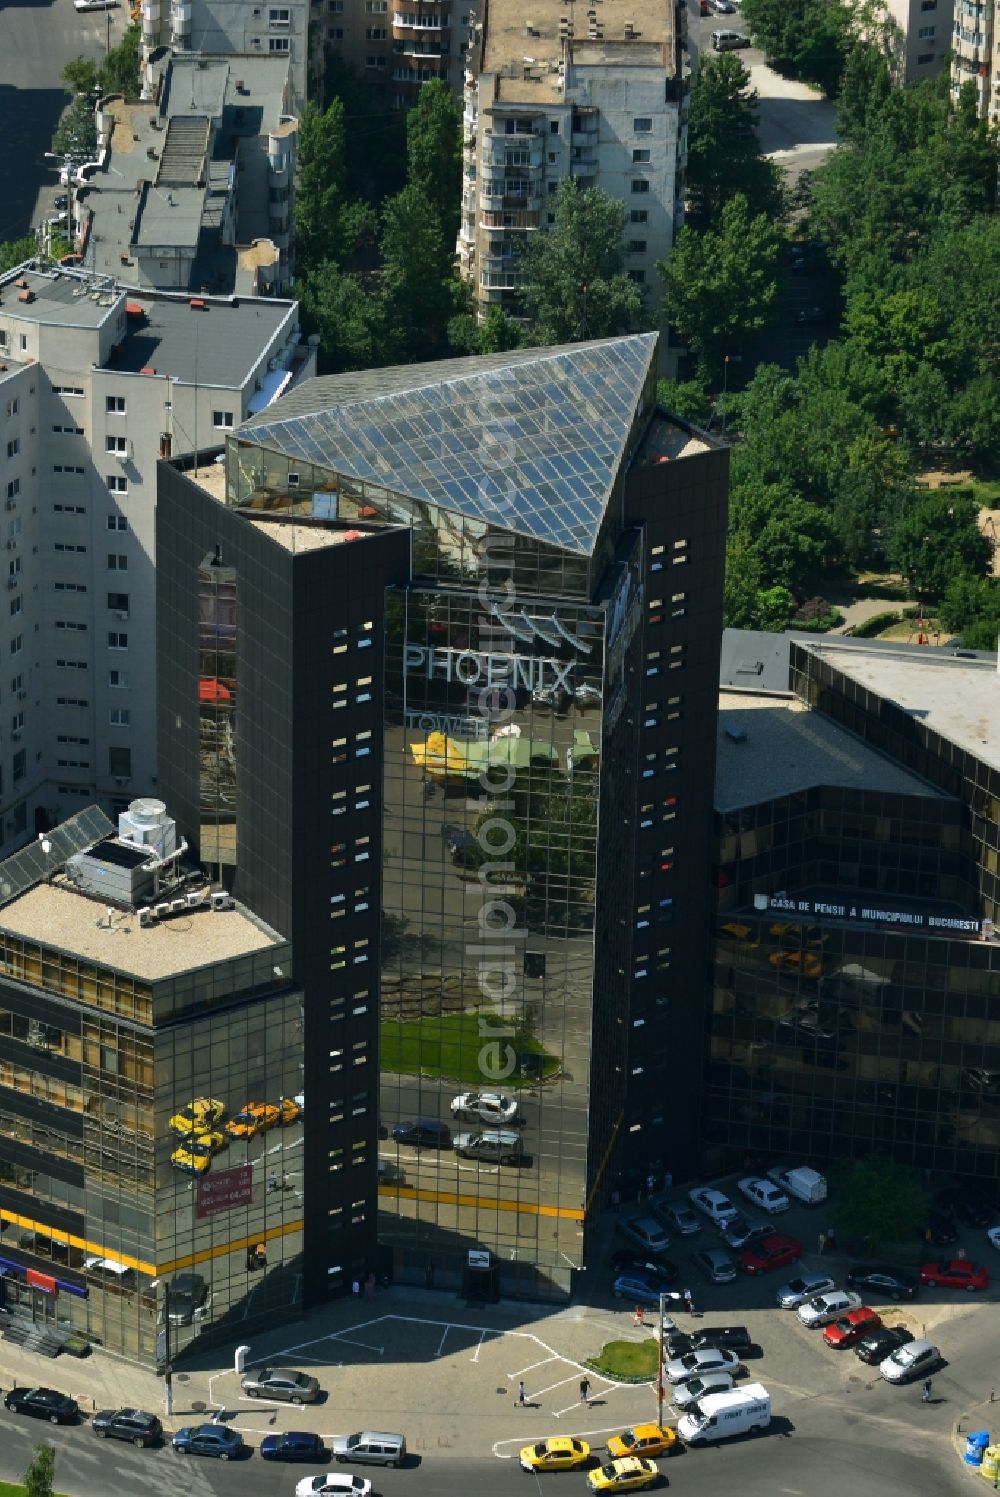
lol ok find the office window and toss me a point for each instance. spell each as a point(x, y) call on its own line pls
point(117, 483)
point(118, 717)
point(926, 33)
point(642, 125)
point(280, 16)
point(120, 762)
point(639, 184)
point(13, 487)
point(118, 680)
point(640, 157)
point(15, 606)
point(639, 216)
point(118, 602)
point(638, 276)
point(115, 405)
point(117, 522)
point(223, 420)
point(117, 445)
point(117, 640)
point(637, 246)
point(14, 447)
point(20, 764)
point(117, 561)
point(279, 44)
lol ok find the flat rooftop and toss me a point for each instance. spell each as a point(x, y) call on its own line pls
point(296, 537)
point(669, 439)
point(54, 914)
point(789, 747)
point(217, 344)
point(56, 300)
point(956, 696)
point(527, 61)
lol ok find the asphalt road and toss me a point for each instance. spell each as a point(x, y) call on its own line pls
point(37, 39)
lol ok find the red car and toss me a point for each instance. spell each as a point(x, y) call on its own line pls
point(771, 1252)
point(852, 1327)
point(958, 1274)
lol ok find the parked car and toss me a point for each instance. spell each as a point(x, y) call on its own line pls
point(135, 1425)
point(425, 1133)
point(187, 1297)
point(685, 1394)
point(492, 1146)
point(209, 1439)
point(770, 1252)
point(643, 1439)
point(42, 1403)
point(645, 1233)
point(559, 1453)
point(729, 41)
point(60, 202)
point(675, 1216)
point(828, 1307)
point(281, 1383)
point(296, 1445)
point(764, 1193)
point(716, 1265)
point(740, 1231)
point(955, 1274)
point(724, 7)
point(199, 1116)
point(698, 1363)
point(733, 1337)
point(713, 1204)
point(877, 1345)
point(806, 1286)
point(915, 1359)
point(643, 1290)
point(333, 1484)
point(491, 1107)
point(253, 1118)
point(370, 1447)
point(994, 1236)
point(893, 1283)
point(850, 1328)
point(661, 1271)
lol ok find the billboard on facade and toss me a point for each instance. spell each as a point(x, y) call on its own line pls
point(223, 1191)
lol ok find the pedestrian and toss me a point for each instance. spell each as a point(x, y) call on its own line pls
point(585, 1392)
point(821, 1242)
point(370, 1286)
point(520, 1394)
point(272, 1180)
point(925, 1391)
point(831, 1239)
point(689, 1301)
point(637, 1316)
point(650, 1183)
point(356, 1289)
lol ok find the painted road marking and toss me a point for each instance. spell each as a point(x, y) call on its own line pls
point(444, 1335)
point(518, 1440)
point(537, 1392)
point(532, 1365)
point(482, 1338)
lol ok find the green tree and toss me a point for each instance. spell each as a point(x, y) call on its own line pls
point(742, 583)
point(497, 333)
point(575, 286)
point(420, 289)
point(721, 283)
point(81, 76)
point(723, 151)
point(76, 133)
point(434, 152)
point(937, 540)
point(790, 535)
point(864, 88)
point(971, 608)
point(16, 251)
point(375, 136)
point(687, 398)
point(345, 314)
point(901, 330)
point(773, 609)
point(878, 1200)
point(320, 194)
point(120, 72)
point(39, 1475)
point(807, 39)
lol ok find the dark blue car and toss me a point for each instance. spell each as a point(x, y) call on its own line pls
point(297, 1445)
point(209, 1439)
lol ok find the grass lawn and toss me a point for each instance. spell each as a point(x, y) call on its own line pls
point(449, 1046)
point(13, 1489)
point(627, 1359)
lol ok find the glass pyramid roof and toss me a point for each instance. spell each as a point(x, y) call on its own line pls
point(529, 441)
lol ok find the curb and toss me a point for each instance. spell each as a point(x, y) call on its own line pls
point(964, 1426)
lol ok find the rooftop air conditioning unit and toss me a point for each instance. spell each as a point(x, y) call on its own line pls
point(194, 898)
point(121, 779)
point(16, 733)
point(177, 905)
point(221, 899)
point(161, 911)
point(145, 918)
point(123, 615)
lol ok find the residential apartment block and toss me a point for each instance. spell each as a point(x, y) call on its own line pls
point(97, 383)
point(230, 27)
point(400, 44)
point(552, 93)
point(976, 53)
point(925, 37)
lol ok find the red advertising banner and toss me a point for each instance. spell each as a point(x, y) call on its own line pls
point(43, 1281)
point(223, 1191)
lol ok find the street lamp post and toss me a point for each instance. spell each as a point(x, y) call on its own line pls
point(659, 1360)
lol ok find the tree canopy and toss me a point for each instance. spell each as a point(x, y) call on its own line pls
point(937, 542)
point(117, 73)
point(575, 285)
point(808, 39)
point(434, 153)
point(723, 150)
point(878, 1200)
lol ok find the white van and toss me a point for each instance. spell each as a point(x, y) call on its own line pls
point(801, 1182)
point(718, 1416)
point(95, 4)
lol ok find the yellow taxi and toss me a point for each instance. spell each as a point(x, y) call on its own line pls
point(625, 1475)
point(289, 1111)
point(561, 1453)
point(253, 1118)
point(643, 1439)
point(194, 1156)
point(797, 961)
point(199, 1116)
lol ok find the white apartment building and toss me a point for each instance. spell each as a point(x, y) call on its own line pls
point(924, 37)
point(557, 91)
point(975, 46)
point(231, 26)
point(97, 383)
point(401, 44)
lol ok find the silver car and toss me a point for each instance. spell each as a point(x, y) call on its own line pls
point(281, 1383)
point(915, 1359)
point(646, 1233)
point(685, 1394)
point(698, 1363)
point(823, 1309)
point(716, 1265)
point(791, 1295)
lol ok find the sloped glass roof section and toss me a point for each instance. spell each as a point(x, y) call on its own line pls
point(530, 441)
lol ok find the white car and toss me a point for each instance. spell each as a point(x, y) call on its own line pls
point(713, 1204)
point(491, 1107)
point(994, 1235)
point(685, 1394)
point(698, 1363)
point(806, 1286)
point(826, 1308)
point(913, 1360)
point(334, 1484)
point(764, 1193)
